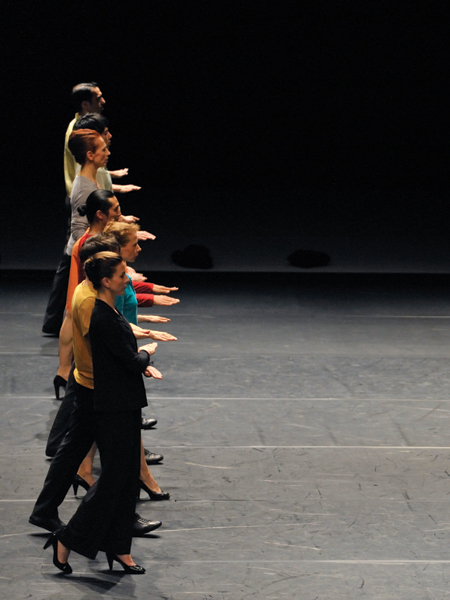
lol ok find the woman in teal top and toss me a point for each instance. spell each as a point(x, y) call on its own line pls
point(128, 304)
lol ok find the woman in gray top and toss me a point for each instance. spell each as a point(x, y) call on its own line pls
point(91, 152)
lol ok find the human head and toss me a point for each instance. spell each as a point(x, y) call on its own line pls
point(101, 265)
point(123, 232)
point(85, 141)
point(98, 243)
point(96, 122)
point(101, 205)
point(126, 235)
point(87, 98)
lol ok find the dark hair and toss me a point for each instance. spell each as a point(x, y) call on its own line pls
point(83, 141)
point(92, 121)
point(98, 243)
point(97, 200)
point(82, 92)
point(102, 264)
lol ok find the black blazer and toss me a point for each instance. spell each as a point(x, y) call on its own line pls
point(118, 366)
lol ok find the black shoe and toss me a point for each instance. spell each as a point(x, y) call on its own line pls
point(130, 569)
point(151, 458)
point(79, 481)
point(64, 567)
point(51, 333)
point(59, 382)
point(142, 526)
point(148, 423)
point(153, 495)
point(51, 524)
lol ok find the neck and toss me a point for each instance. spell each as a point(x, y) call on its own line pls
point(107, 296)
point(89, 170)
point(96, 227)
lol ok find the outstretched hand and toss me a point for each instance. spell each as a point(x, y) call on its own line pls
point(145, 235)
point(119, 173)
point(128, 219)
point(124, 189)
point(164, 300)
point(153, 319)
point(152, 372)
point(162, 289)
point(149, 348)
point(162, 336)
point(135, 276)
point(141, 334)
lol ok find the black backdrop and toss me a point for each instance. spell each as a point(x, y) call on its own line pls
point(241, 116)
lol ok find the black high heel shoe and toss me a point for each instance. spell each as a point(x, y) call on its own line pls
point(64, 567)
point(79, 481)
point(58, 383)
point(130, 569)
point(153, 495)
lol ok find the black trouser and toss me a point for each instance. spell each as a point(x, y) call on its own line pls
point(73, 449)
point(54, 313)
point(63, 418)
point(104, 519)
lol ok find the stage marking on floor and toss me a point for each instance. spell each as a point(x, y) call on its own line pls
point(275, 447)
point(245, 398)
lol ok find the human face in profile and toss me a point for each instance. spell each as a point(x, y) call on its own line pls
point(114, 211)
point(97, 102)
point(107, 136)
point(130, 251)
point(101, 154)
point(118, 282)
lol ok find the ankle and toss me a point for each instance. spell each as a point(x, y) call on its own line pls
point(151, 484)
point(63, 553)
point(88, 477)
point(63, 373)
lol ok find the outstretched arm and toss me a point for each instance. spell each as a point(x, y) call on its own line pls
point(124, 189)
point(162, 289)
point(119, 173)
point(142, 334)
point(164, 300)
point(152, 319)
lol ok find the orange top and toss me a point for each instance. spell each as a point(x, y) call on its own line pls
point(76, 275)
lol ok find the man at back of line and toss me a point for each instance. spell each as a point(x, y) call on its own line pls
point(87, 98)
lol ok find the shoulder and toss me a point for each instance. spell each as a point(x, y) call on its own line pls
point(80, 183)
point(76, 248)
point(103, 312)
point(83, 238)
point(71, 124)
point(84, 295)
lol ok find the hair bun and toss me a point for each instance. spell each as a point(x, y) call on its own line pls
point(82, 210)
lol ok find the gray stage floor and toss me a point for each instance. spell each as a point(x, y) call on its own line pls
point(305, 427)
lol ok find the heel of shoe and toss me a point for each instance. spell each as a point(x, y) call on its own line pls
point(110, 559)
point(155, 496)
point(58, 383)
point(77, 482)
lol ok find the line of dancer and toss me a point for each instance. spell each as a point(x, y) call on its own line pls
point(101, 367)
